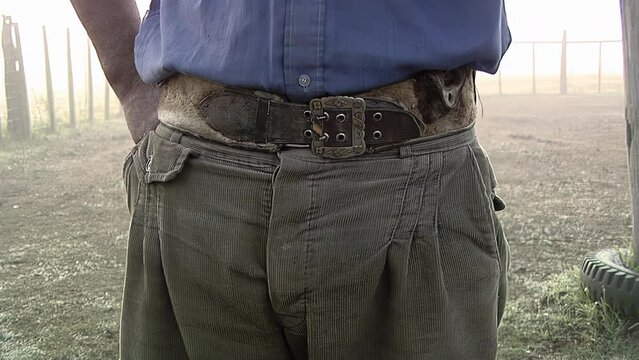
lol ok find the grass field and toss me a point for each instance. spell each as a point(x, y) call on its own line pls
point(561, 165)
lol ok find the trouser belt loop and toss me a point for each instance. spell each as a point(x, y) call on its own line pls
point(176, 136)
point(405, 151)
point(261, 120)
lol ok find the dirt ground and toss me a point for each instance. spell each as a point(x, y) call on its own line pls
point(560, 161)
point(561, 164)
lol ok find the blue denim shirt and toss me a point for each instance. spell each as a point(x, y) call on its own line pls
point(308, 48)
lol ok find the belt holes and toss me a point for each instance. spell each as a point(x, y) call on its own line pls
point(307, 114)
point(377, 116)
point(341, 137)
point(377, 134)
point(308, 133)
point(340, 117)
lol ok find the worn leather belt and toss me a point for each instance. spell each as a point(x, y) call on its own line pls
point(334, 126)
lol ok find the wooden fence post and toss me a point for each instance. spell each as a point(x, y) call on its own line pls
point(18, 118)
point(599, 73)
point(630, 16)
point(1, 121)
point(50, 97)
point(107, 100)
point(534, 70)
point(89, 84)
point(72, 120)
point(563, 81)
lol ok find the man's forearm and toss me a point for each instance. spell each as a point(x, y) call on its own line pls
point(112, 26)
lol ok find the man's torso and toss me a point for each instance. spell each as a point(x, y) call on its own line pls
point(303, 49)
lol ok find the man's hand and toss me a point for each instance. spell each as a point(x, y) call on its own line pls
point(140, 107)
point(112, 26)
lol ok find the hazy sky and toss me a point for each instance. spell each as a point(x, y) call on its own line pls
point(529, 20)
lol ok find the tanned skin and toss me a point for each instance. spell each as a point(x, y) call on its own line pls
point(112, 26)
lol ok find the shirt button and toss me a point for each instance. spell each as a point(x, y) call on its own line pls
point(304, 80)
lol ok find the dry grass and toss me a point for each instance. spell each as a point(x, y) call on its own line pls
point(562, 167)
point(559, 321)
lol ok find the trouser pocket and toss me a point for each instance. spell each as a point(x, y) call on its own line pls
point(148, 328)
point(130, 180)
point(158, 159)
point(484, 167)
point(153, 159)
point(488, 184)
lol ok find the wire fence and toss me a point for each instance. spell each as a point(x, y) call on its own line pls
point(558, 67)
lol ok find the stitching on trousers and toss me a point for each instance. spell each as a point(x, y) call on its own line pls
point(403, 201)
point(438, 199)
point(421, 197)
point(487, 201)
point(307, 249)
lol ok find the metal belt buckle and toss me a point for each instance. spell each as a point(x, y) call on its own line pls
point(337, 123)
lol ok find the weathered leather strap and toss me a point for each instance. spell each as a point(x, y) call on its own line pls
point(248, 117)
point(430, 103)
